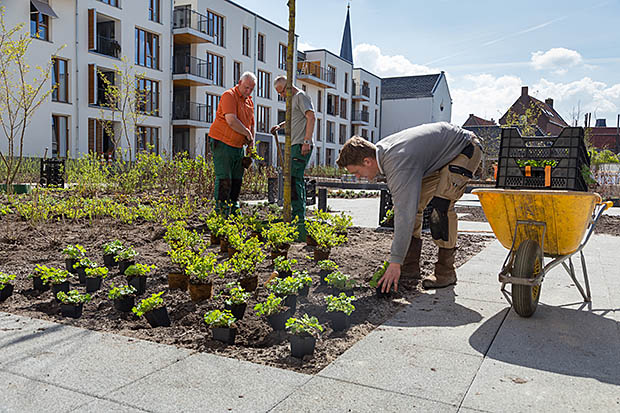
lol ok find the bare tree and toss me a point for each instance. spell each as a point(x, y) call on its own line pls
point(287, 212)
point(576, 114)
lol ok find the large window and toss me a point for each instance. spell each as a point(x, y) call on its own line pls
point(217, 63)
point(263, 119)
point(60, 136)
point(245, 41)
point(39, 24)
point(261, 47)
point(376, 116)
point(212, 102)
point(330, 132)
point(149, 90)
point(60, 79)
point(147, 139)
point(376, 96)
point(264, 85)
point(114, 3)
point(346, 82)
point(343, 108)
point(282, 57)
point(236, 72)
point(147, 49)
point(342, 138)
point(217, 22)
point(154, 8)
point(319, 101)
point(318, 130)
point(332, 104)
point(329, 157)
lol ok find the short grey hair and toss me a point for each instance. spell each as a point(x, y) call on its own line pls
point(278, 80)
point(247, 75)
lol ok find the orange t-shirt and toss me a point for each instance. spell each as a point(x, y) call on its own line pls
point(232, 102)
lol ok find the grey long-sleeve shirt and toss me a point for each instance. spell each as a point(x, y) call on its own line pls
point(405, 158)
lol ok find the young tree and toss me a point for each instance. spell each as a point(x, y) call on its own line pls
point(289, 110)
point(22, 91)
point(526, 122)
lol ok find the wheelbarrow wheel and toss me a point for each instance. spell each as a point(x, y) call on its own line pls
point(528, 264)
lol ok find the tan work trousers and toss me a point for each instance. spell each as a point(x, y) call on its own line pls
point(447, 185)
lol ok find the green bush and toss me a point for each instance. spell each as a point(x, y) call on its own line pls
point(96, 272)
point(285, 286)
point(5, 279)
point(121, 291)
point(140, 270)
point(217, 318)
point(341, 303)
point(149, 304)
point(73, 297)
point(374, 281)
point(126, 254)
point(305, 325)
point(112, 247)
point(272, 305)
point(74, 251)
point(340, 281)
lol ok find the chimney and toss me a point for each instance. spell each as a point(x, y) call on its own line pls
point(523, 90)
point(600, 123)
point(549, 102)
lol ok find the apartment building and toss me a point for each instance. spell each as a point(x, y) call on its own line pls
point(86, 39)
point(366, 107)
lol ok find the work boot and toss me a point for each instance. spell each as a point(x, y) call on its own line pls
point(410, 269)
point(445, 274)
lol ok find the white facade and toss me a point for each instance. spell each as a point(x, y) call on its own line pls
point(366, 117)
point(70, 31)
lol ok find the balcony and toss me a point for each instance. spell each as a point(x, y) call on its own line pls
point(189, 26)
point(191, 71)
point(190, 114)
point(313, 73)
point(360, 117)
point(361, 92)
point(108, 47)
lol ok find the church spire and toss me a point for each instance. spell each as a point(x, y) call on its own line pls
point(346, 50)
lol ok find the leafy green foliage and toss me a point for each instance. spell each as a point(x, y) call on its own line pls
point(305, 325)
point(303, 277)
point(285, 286)
point(121, 291)
point(278, 234)
point(215, 223)
point(247, 259)
point(374, 281)
point(51, 275)
point(149, 304)
point(341, 303)
point(282, 264)
point(234, 294)
point(140, 270)
point(218, 318)
point(202, 267)
point(272, 305)
point(5, 279)
point(325, 235)
point(112, 247)
point(327, 265)
point(73, 297)
point(389, 215)
point(341, 222)
point(126, 254)
point(74, 251)
point(340, 281)
point(541, 163)
point(604, 156)
point(96, 272)
point(85, 263)
point(177, 236)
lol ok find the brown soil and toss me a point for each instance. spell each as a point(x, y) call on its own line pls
point(23, 246)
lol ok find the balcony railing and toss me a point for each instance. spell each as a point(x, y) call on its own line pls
point(360, 116)
point(190, 111)
point(361, 90)
point(190, 65)
point(185, 17)
point(108, 47)
point(307, 68)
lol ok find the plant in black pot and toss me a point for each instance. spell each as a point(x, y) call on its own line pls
point(326, 239)
point(274, 310)
point(303, 333)
point(80, 268)
point(154, 310)
point(72, 303)
point(305, 281)
point(326, 267)
point(183, 244)
point(124, 297)
point(39, 276)
point(284, 267)
point(110, 249)
point(6, 287)
point(341, 282)
point(136, 276)
point(58, 279)
point(286, 288)
point(125, 258)
point(180, 257)
point(341, 223)
point(374, 281)
point(235, 299)
point(73, 253)
point(279, 236)
point(215, 224)
point(201, 271)
point(222, 325)
point(339, 309)
point(245, 262)
point(94, 276)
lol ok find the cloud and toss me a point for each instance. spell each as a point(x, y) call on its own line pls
point(557, 59)
point(370, 58)
point(303, 46)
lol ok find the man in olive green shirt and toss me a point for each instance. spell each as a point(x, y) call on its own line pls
point(303, 121)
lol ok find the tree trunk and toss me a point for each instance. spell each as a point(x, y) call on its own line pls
point(289, 107)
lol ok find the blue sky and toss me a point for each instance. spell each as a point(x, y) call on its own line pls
point(566, 50)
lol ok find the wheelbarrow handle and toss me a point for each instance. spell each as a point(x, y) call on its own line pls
point(608, 204)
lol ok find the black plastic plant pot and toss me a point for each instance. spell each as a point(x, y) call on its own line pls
point(348, 293)
point(284, 274)
point(108, 260)
point(71, 310)
point(237, 310)
point(323, 274)
point(38, 284)
point(224, 334)
point(278, 321)
point(93, 284)
point(6, 292)
point(158, 317)
point(123, 265)
point(138, 282)
point(69, 262)
point(290, 301)
point(302, 345)
point(124, 304)
point(56, 288)
point(304, 291)
point(81, 273)
point(382, 294)
point(340, 321)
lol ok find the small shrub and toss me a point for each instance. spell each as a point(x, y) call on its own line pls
point(202, 267)
point(327, 265)
point(126, 254)
point(73, 297)
point(149, 304)
point(96, 272)
point(285, 286)
point(271, 306)
point(85, 263)
point(281, 264)
point(374, 281)
point(340, 281)
point(112, 247)
point(305, 325)
point(74, 251)
point(139, 270)
point(121, 291)
point(303, 277)
point(235, 294)
point(279, 234)
point(341, 302)
point(5, 279)
point(217, 318)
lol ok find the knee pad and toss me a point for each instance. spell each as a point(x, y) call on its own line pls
point(440, 227)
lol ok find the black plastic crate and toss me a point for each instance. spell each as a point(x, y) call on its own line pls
point(385, 204)
point(567, 150)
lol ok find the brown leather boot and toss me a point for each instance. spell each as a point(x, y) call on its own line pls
point(410, 269)
point(445, 274)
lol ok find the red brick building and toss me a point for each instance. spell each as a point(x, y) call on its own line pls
point(549, 121)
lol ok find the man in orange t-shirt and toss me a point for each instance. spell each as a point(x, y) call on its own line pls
point(232, 129)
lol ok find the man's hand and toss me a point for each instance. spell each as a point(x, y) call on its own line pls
point(274, 129)
point(391, 276)
point(305, 149)
point(249, 139)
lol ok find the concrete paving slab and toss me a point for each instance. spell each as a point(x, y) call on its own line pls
point(327, 395)
point(20, 394)
point(87, 361)
point(211, 383)
point(106, 406)
point(475, 226)
point(390, 360)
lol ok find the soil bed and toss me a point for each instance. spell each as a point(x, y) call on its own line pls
point(22, 246)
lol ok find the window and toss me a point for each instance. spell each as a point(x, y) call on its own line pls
point(342, 138)
point(365, 133)
point(332, 104)
point(106, 80)
point(217, 23)
point(376, 116)
point(262, 124)
point(261, 47)
point(343, 108)
point(149, 91)
point(236, 72)
point(372, 136)
point(282, 57)
point(154, 8)
point(376, 96)
point(60, 79)
point(319, 101)
point(264, 85)
point(212, 102)
point(318, 157)
point(330, 132)
point(147, 139)
point(329, 156)
point(245, 41)
point(281, 118)
point(39, 24)
point(111, 2)
point(60, 136)
point(217, 64)
point(346, 83)
point(147, 49)
point(318, 130)
point(331, 74)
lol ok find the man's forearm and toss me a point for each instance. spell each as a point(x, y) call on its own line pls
point(309, 129)
point(238, 127)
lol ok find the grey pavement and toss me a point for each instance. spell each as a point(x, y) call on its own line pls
point(457, 349)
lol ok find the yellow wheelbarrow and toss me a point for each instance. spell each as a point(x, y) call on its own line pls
point(534, 224)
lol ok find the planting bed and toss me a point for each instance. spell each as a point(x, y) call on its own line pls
point(22, 246)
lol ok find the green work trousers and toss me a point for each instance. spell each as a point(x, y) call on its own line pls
point(298, 188)
point(228, 176)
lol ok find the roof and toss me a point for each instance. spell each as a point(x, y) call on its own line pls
point(547, 119)
point(474, 120)
point(408, 87)
point(605, 138)
point(346, 50)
